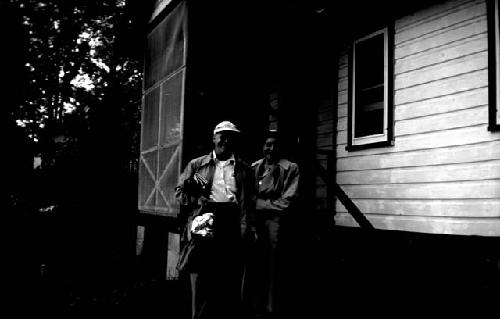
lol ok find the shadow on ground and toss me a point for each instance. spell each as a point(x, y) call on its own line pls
point(343, 273)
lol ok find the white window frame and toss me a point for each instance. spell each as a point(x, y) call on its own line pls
point(494, 63)
point(386, 137)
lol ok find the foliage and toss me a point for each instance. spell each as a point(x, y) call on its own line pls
point(83, 69)
point(71, 88)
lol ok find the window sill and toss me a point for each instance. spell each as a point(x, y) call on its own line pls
point(351, 148)
point(494, 128)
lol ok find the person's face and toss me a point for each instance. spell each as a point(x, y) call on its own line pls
point(224, 143)
point(271, 149)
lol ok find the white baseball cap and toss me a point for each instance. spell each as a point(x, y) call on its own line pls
point(225, 126)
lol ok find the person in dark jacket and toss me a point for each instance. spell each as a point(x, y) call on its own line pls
point(277, 181)
point(217, 191)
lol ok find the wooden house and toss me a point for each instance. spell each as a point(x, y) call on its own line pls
point(398, 103)
point(415, 132)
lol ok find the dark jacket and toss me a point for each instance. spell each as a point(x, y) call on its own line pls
point(193, 200)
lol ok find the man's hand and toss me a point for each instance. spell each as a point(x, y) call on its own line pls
point(200, 180)
point(195, 184)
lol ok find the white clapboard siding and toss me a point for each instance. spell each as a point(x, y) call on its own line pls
point(455, 50)
point(325, 142)
point(343, 58)
point(343, 83)
point(430, 13)
point(342, 123)
point(442, 87)
point(342, 107)
point(423, 174)
point(463, 13)
point(325, 130)
point(445, 138)
point(448, 103)
point(445, 190)
point(460, 32)
point(426, 224)
point(443, 121)
point(343, 72)
point(437, 207)
point(453, 68)
point(325, 127)
point(484, 151)
point(442, 175)
point(342, 97)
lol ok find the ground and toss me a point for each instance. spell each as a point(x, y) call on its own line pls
point(343, 274)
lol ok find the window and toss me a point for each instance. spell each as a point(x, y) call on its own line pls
point(370, 91)
point(494, 65)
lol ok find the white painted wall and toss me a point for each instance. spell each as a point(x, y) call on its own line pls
point(443, 173)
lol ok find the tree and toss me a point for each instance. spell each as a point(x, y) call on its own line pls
point(83, 70)
point(74, 74)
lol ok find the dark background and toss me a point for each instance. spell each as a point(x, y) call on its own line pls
point(79, 260)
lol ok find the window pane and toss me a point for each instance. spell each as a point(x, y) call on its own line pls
point(369, 87)
point(369, 117)
point(165, 47)
point(171, 105)
point(149, 135)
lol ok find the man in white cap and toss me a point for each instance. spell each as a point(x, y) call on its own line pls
point(217, 191)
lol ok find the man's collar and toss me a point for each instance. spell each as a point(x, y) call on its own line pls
point(231, 159)
point(282, 162)
point(258, 162)
point(207, 159)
